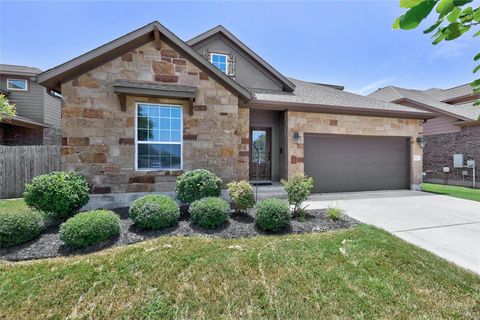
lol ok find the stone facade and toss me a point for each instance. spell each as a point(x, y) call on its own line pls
point(440, 148)
point(98, 138)
point(303, 122)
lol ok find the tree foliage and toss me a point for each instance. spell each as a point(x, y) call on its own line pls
point(6, 107)
point(454, 19)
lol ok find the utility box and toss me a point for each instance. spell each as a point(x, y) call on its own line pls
point(471, 164)
point(458, 160)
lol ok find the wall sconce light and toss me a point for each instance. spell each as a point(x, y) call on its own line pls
point(296, 137)
point(421, 141)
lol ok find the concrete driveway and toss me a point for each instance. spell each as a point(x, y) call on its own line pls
point(446, 226)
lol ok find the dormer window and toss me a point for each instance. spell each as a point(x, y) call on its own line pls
point(17, 84)
point(220, 61)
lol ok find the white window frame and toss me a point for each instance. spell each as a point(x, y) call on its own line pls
point(158, 142)
point(223, 55)
point(16, 89)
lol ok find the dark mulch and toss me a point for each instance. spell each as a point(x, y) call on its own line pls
point(49, 244)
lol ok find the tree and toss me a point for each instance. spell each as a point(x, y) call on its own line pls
point(6, 107)
point(454, 19)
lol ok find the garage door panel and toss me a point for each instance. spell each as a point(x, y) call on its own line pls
point(340, 163)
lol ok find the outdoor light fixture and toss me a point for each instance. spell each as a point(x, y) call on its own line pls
point(296, 137)
point(421, 141)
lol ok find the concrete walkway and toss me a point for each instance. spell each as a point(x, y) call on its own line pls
point(446, 226)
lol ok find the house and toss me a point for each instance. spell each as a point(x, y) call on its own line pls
point(143, 108)
point(455, 130)
point(37, 119)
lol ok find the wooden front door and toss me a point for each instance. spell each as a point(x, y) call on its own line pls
point(260, 154)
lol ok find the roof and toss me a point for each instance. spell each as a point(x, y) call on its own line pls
point(318, 97)
point(22, 122)
point(464, 90)
point(287, 84)
point(90, 60)
point(464, 112)
point(19, 70)
point(155, 89)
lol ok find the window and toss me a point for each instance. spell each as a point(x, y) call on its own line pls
point(220, 61)
point(17, 84)
point(158, 137)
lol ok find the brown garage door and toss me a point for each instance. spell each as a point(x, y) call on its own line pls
point(341, 163)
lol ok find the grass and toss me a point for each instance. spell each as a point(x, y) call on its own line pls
point(13, 204)
point(453, 191)
point(356, 273)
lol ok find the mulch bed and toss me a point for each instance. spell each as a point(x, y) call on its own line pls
point(49, 244)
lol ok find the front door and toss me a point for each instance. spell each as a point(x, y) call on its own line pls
point(260, 154)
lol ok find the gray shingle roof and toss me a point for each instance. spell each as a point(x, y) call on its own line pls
point(391, 94)
point(18, 70)
point(317, 94)
point(447, 94)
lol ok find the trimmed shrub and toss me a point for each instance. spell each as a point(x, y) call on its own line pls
point(19, 226)
point(89, 228)
point(272, 214)
point(198, 184)
point(58, 194)
point(154, 212)
point(334, 213)
point(209, 212)
point(242, 195)
point(298, 190)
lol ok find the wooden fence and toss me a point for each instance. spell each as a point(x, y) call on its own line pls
point(20, 164)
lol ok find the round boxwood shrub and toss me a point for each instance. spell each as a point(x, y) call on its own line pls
point(154, 212)
point(198, 184)
point(88, 228)
point(242, 195)
point(272, 214)
point(19, 226)
point(209, 212)
point(59, 194)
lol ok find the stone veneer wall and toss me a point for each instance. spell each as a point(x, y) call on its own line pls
point(98, 138)
point(302, 122)
point(440, 148)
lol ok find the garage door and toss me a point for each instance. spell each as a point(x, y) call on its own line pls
point(341, 163)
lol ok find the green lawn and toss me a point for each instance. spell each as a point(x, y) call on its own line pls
point(453, 191)
point(358, 273)
point(12, 204)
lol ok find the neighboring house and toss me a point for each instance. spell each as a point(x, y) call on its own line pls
point(142, 109)
point(455, 130)
point(37, 118)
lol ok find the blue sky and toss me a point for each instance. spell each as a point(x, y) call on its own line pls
point(341, 42)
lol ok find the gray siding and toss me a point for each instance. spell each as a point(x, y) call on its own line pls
point(52, 112)
point(439, 124)
point(248, 72)
point(29, 104)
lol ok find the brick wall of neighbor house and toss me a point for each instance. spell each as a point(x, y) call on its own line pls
point(98, 138)
point(16, 136)
point(345, 124)
point(52, 136)
point(440, 148)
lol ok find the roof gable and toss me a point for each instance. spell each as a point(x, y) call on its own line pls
point(267, 68)
point(107, 52)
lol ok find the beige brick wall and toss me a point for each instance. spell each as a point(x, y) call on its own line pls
point(302, 122)
point(98, 138)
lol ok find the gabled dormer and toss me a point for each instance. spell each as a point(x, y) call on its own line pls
point(238, 61)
